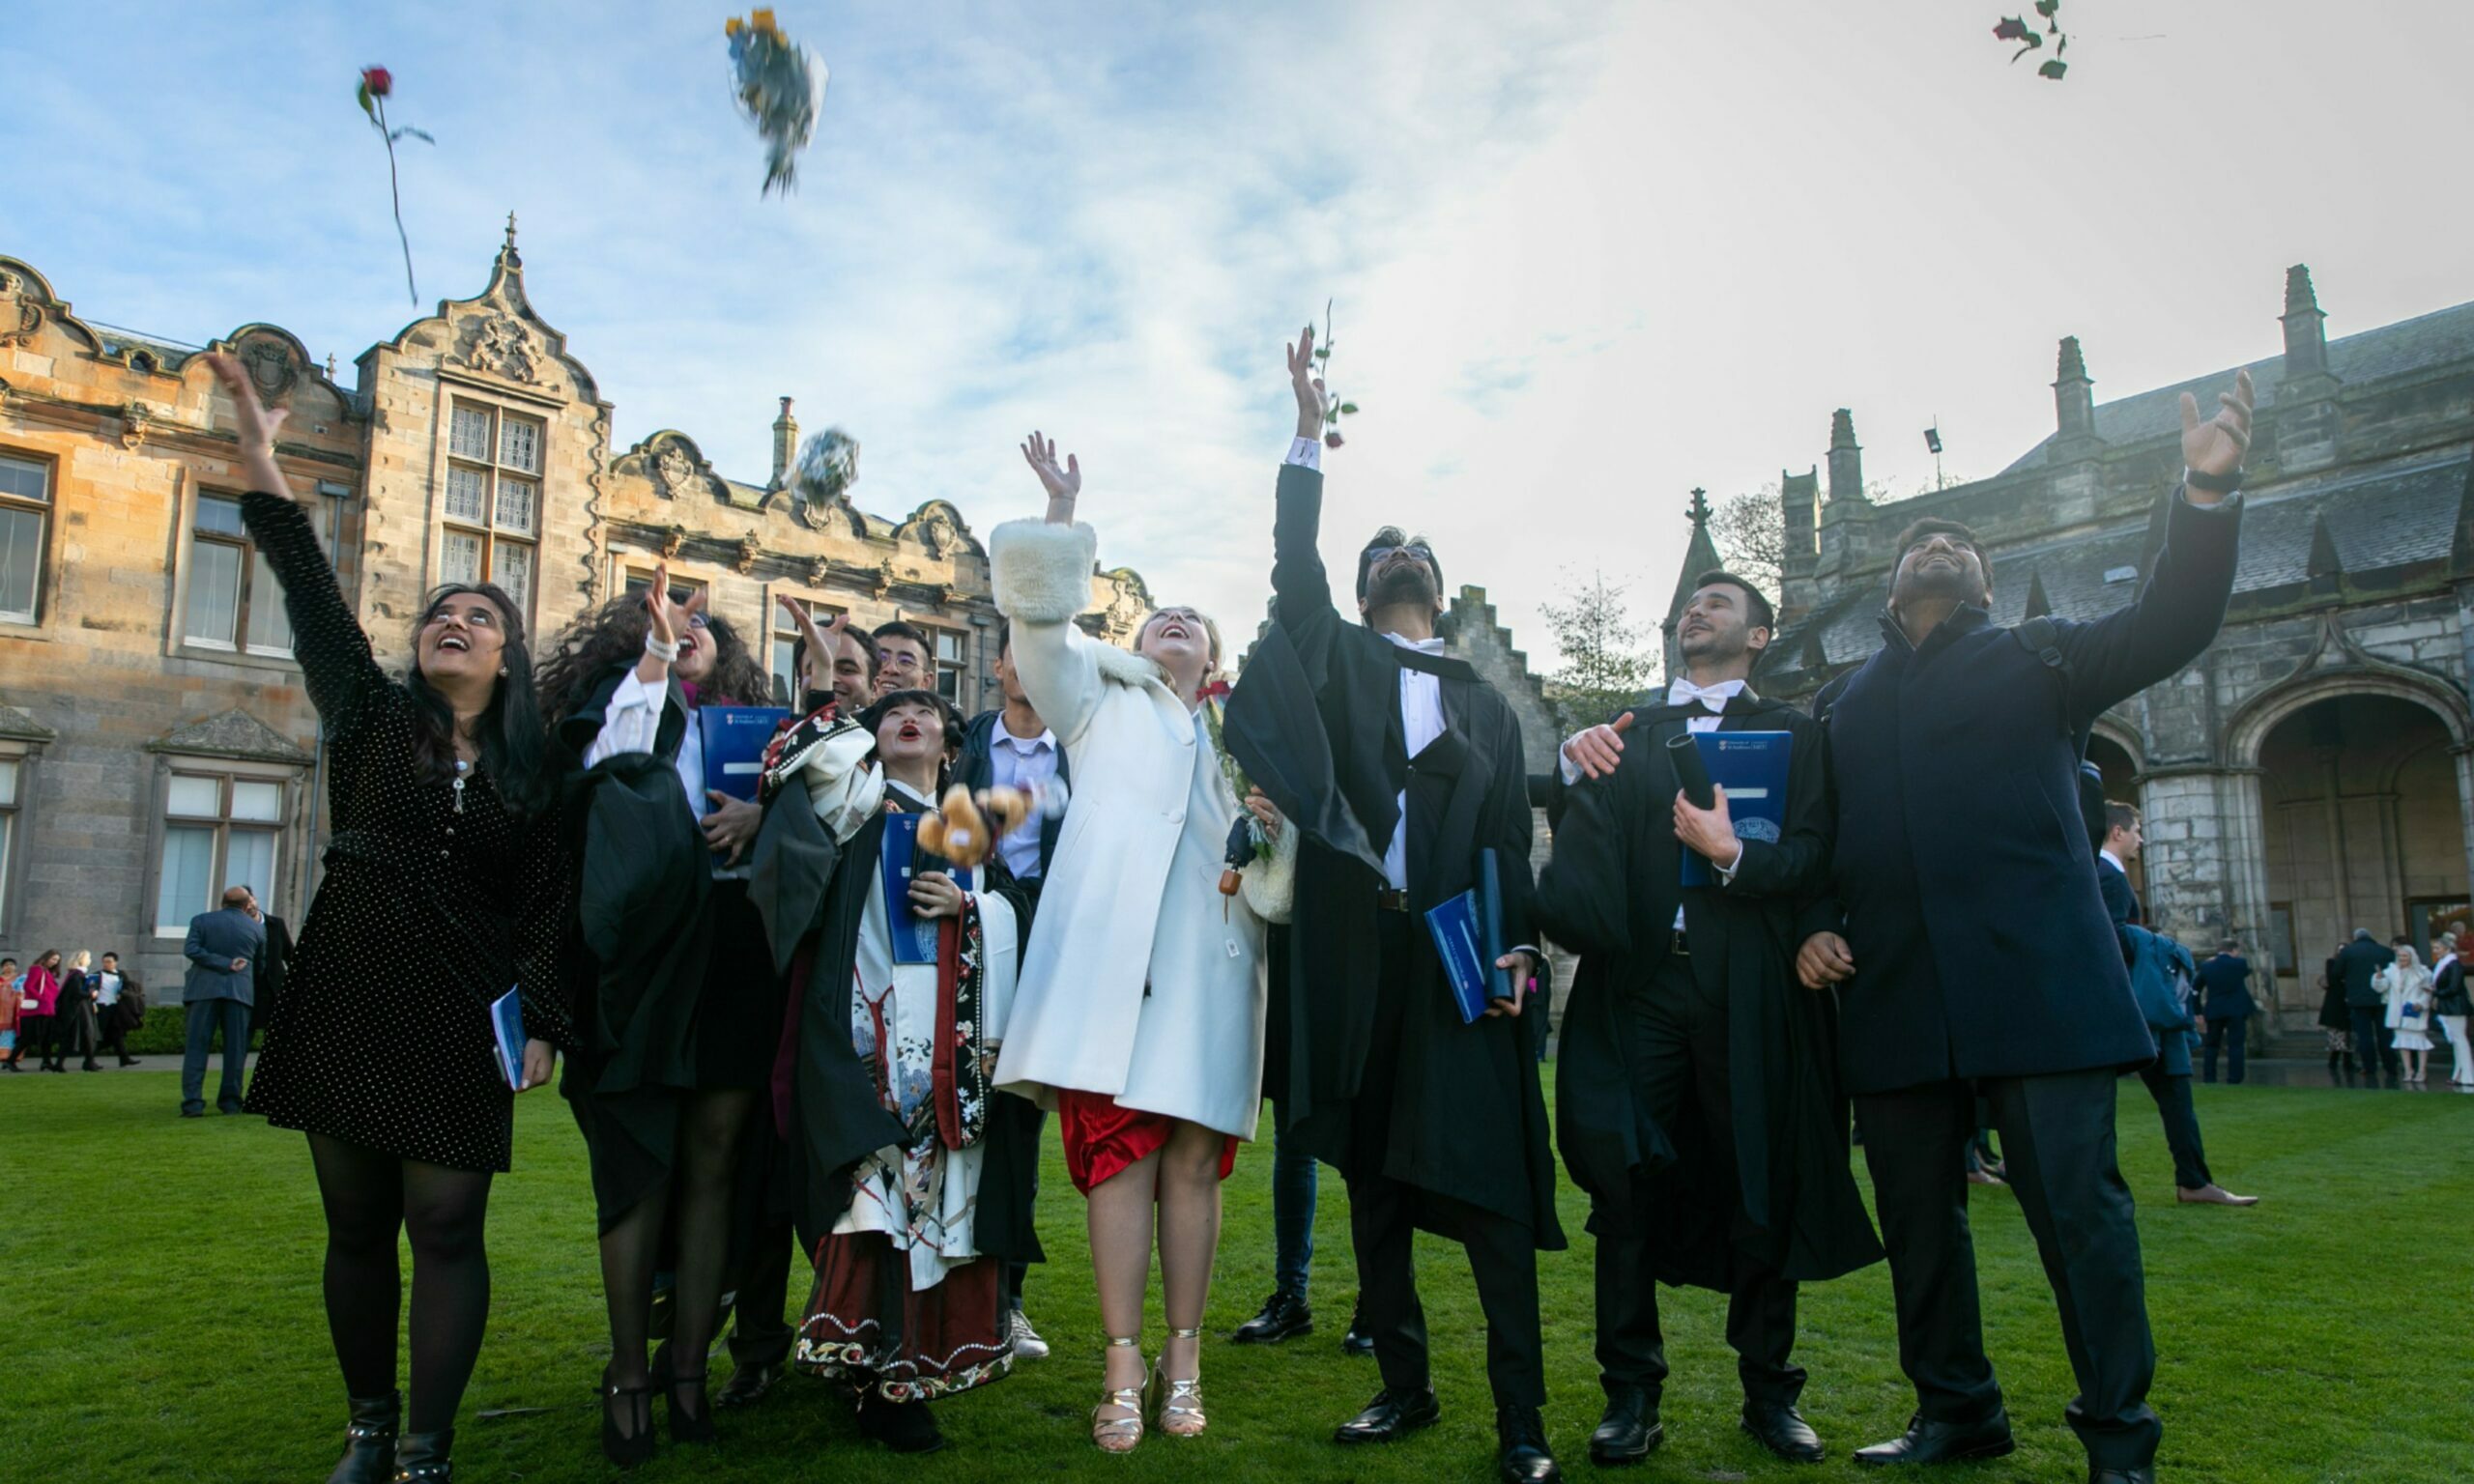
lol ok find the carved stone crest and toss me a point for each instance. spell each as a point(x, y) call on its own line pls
point(271, 369)
point(743, 560)
point(20, 314)
point(1126, 610)
point(676, 472)
point(938, 533)
point(500, 345)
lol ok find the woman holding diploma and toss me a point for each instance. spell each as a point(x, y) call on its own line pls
point(911, 1198)
point(680, 1006)
point(1140, 1015)
point(443, 889)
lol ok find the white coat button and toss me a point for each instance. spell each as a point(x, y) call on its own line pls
point(1176, 816)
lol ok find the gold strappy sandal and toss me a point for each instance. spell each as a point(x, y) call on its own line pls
point(1119, 1434)
point(1177, 1404)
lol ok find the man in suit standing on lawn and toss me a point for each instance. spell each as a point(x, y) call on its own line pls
point(1954, 752)
point(272, 965)
point(2225, 1007)
point(2361, 962)
point(223, 949)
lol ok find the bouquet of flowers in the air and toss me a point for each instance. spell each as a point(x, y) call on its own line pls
point(780, 86)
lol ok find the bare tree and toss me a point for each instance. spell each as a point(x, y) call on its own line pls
point(1606, 665)
point(1751, 535)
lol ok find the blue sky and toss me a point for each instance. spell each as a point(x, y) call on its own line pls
point(1587, 255)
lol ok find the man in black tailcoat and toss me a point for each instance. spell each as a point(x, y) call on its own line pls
point(1684, 1025)
point(1975, 946)
point(1400, 765)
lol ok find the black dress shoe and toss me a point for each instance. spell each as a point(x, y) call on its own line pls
point(1629, 1431)
point(1283, 1317)
point(747, 1386)
point(192, 1112)
point(2145, 1474)
point(1521, 1456)
point(904, 1427)
point(635, 1404)
point(1927, 1441)
point(1783, 1431)
point(1356, 1342)
point(1387, 1418)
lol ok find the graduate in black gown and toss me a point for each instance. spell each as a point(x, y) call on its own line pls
point(1401, 764)
point(1698, 1101)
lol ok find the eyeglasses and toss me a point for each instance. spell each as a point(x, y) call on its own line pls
point(897, 659)
point(1375, 554)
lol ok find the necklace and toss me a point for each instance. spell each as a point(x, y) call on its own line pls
point(461, 768)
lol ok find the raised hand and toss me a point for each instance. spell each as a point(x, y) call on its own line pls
point(815, 674)
point(1307, 385)
point(669, 618)
point(256, 426)
point(1062, 483)
point(2216, 446)
point(1597, 750)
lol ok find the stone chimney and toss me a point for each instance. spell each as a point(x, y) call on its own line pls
point(2307, 425)
point(786, 445)
point(1847, 521)
point(2074, 407)
point(1800, 495)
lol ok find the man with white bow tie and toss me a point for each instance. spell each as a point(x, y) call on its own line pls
point(1698, 1101)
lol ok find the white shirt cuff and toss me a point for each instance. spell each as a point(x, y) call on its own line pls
point(1306, 453)
point(1727, 872)
point(1570, 770)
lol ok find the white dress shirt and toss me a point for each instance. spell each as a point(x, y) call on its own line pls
point(1024, 763)
point(1421, 722)
point(109, 993)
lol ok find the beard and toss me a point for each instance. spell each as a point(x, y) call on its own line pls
point(1409, 582)
point(1933, 583)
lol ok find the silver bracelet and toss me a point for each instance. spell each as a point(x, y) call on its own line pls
point(667, 653)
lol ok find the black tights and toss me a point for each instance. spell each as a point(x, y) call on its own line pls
point(369, 1197)
point(696, 1194)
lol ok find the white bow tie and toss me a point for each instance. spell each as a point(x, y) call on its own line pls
point(1684, 692)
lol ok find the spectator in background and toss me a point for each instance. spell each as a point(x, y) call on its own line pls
point(10, 997)
point(2225, 1008)
point(120, 1007)
point(223, 949)
point(41, 994)
point(72, 1027)
point(2452, 1004)
point(271, 965)
point(2335, 1020)
point(2405, 992)
point(903, 661)
point(2360, 966)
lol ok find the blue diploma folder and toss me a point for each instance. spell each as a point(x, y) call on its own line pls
point(735, 741)
point(1468, 932)
point(914, 937)
point(1752, 767)
point(506, 1023)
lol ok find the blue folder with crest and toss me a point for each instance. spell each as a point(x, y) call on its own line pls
point(1468, 931)
point(914, 937)
point(506, 1027)
point(1751, 766)
point(734, 740)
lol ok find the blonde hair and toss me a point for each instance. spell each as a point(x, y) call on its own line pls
point(85, 956)
point(1211, 667)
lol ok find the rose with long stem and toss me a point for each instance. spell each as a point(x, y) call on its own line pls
point(376, 83)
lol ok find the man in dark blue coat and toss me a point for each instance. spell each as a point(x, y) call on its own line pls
point(1973, 945)
point(2360, 962)
point(2225, 1007)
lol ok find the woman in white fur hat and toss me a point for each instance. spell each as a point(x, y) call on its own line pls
point(1140, 1013)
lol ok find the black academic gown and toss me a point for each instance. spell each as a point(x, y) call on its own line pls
point(814, 897)
point(639, 933)
point(1611, 893)
point(1315, 722)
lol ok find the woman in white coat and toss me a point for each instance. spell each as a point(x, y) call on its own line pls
point(2406, 986)
point(1139, 1012)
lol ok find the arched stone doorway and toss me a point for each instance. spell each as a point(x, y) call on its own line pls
point(2362, 824)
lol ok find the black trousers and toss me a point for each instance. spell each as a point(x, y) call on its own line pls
point(760, 1334)
point(2373, 1042)
point(1676, 1049)
point(1384, 1213)
point(2172, 1094)
point(2230, 1032)
point(2057, 1141)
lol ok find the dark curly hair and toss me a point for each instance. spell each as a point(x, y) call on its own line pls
point(612, 637)
point(509, 734)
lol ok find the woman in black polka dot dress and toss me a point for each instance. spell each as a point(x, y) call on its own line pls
point(443, 889)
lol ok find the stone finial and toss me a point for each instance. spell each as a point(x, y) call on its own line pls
point(2300, 296)
point(2306, 335)
point(1699, 510)
point(2072, 365)
point(786, 445)
point(2074, 403)
point(1842, 429)
point(509, 260)
point(1846, 460)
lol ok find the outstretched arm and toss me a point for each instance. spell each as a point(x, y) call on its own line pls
point(1300, 590)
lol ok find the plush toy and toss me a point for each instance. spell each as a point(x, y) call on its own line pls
point(957, 830)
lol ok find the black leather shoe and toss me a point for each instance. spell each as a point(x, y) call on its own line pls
point(369, 1441)
point(1356, 1342)
point(192, 1112)
point(1389, 1419)
point(420, 1458)
point(1927, 1441)
point(2141, 1475)
point(1283, 1317)
point(1521, 1456)
point(1783, 1431)
point(747, 1386)
point(904, 1427)
point(635, 1404)
point(1629, 1431)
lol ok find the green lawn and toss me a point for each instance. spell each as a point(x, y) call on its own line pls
point(160, 1319)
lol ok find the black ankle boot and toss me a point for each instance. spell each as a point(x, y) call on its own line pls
point(369, 1441)
point(420, 1458)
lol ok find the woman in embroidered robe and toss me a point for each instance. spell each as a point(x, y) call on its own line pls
point(1141, 1018)
point(910, 1241)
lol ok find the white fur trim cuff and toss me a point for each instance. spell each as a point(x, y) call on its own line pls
point(1042, 573)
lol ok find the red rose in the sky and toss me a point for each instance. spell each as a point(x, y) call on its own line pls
point(2011, 29)
point(378, 81)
